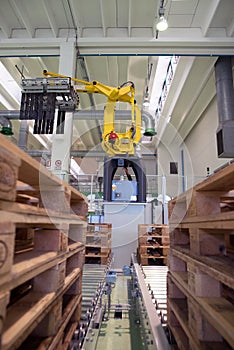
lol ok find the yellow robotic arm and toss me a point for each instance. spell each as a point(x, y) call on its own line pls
point(113, 143)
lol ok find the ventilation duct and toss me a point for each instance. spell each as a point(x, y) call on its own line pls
point(225, 103)
point(146, 117)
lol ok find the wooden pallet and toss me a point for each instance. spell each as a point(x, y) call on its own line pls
point(201, 264)
point(42, 230)
point(153, 229)
point(153, 244)
point(93, 250)
point(99, 235)
point(146, 259)
point(154, 240)
point(153, 249)
point(101, 258)
point(99, 228)
point(98, 240)
point(98, 244)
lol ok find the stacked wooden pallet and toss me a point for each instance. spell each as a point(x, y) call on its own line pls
point(42, 226)
point(98, 244)
point(201, 264)
point(153, 244)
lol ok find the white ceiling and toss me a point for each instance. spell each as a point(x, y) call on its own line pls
point(117, 42)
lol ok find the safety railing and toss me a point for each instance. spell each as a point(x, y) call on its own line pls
point(158, 186)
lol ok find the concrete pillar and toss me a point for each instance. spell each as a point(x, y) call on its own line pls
point(61, 143)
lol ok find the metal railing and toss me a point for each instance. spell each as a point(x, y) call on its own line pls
point(157, 185)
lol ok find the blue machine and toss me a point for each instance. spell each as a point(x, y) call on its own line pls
point(124, 191)
point(111, 277)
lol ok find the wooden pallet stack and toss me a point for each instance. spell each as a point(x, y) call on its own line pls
point(201, 264)
point(42, 227)
point(98, 243)
point(153, 244)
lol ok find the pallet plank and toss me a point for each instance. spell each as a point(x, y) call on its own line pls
point(45, 249)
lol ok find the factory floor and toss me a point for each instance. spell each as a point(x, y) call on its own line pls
point(121, 333)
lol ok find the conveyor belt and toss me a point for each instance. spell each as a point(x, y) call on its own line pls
point(137, 304)
point(92, 283)
point(151, 281)
point(156, 282)
point(92, 280)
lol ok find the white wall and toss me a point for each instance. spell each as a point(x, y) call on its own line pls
point(169, 150)
point(201, 142)
point(167, 154)
point(200, 152)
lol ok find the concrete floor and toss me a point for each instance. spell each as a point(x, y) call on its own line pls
point(122, 333)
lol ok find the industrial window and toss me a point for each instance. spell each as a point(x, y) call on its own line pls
point(173, 168)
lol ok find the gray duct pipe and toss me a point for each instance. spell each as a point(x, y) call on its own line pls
point(6, 126)
point(98, 114)
point(47, 154)
point(119, 115)
point(13, 114)
point(225, 104)
point(224, 88)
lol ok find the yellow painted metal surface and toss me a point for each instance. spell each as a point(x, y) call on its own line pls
point(113, 143)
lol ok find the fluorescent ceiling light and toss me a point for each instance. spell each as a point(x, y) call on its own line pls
point(162, 24)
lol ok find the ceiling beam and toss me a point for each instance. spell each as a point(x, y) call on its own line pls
point(120, 46)
point(28, 52)
point(181, 74)
point(204, 99)
point(42, 63)
point(76, 18)
point(230, 29)
point(7, 100)
point(22, 14)
point(30, 47)
point(129, 17)
point(138, 46)
point(103, 18)
point(205, 76)
point(210, 12)
point(4, 26)
point(50, 16)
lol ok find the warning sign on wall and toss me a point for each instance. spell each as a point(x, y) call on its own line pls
point(58, 164)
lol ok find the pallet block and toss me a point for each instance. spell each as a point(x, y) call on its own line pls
point(50, 240)
point(9, 165)
point(49, 326)
point(7, 243)
point(4, 300)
